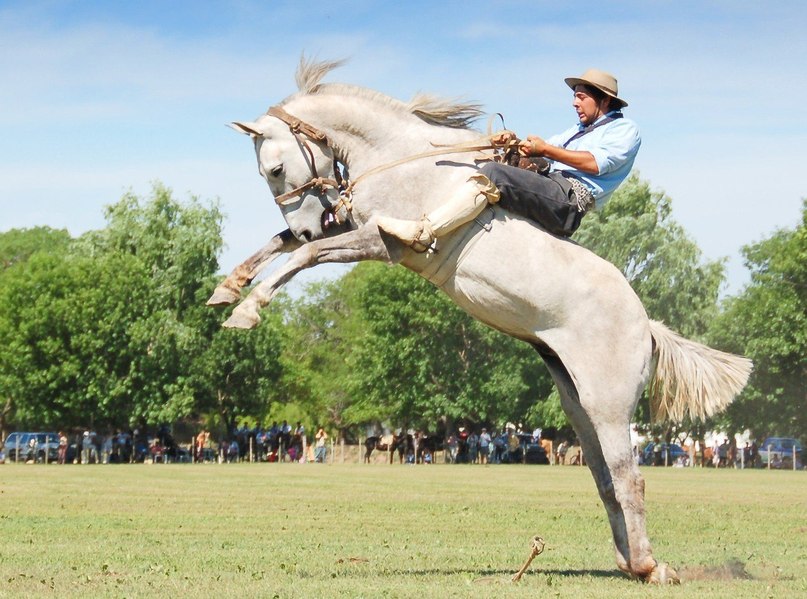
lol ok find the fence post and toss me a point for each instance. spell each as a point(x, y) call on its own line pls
point(794, 456)
point(769, 457)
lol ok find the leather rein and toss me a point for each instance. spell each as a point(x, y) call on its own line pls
point(299, 128)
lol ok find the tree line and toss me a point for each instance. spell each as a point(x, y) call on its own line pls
point(110, 330)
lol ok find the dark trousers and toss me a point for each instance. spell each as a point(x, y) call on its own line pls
point(548, 200)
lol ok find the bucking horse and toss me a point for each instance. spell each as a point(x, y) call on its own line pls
point(576, 309)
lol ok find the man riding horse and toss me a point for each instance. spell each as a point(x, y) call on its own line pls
point(588, 162)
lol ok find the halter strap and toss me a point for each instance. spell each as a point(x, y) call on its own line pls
point(296, 125)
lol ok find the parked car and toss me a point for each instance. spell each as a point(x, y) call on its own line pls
point(37, 447)
point(668, 454)
point(781, 452)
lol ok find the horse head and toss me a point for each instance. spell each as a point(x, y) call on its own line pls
point(288, 160)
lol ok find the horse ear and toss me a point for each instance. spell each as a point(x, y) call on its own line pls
point(250, 129)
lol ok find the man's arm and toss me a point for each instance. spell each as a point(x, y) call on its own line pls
point(581, 160)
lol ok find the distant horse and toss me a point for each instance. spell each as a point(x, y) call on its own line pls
point(374, 443)
point(403, 444)
point(428, 444)
point(577, 310)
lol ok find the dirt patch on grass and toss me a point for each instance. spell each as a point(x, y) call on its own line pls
point(731, 570)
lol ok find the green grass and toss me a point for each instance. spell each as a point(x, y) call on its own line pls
point(292, 530)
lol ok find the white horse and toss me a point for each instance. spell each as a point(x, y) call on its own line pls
point(576, 309)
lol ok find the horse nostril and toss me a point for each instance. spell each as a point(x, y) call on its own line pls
point(306, 235)
point(277, 171)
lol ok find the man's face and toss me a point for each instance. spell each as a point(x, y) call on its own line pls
point(587, 108)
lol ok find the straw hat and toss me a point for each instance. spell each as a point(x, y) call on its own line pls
point(605, 82)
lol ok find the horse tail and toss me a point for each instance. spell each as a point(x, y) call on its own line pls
point(691, 378)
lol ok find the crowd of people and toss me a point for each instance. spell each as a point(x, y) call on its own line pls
point(282, 442)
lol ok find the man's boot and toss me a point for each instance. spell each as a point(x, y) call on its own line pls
point(465, 205)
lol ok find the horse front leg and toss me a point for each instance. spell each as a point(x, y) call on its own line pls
point(229, 290)
point(364, 243)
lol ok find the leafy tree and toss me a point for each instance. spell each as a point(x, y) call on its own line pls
point(176, 247)
point(17, 245)
point(636, 232)
point(106, 332)
point(768, 323)
point(239, 374)
point(423, 360)
point(325, 329)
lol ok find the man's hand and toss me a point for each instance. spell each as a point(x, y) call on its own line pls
point(532, 146)
point(502, 138)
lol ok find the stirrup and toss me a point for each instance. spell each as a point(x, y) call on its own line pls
point(422, 247)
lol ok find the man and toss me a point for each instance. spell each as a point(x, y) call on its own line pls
point(588, 162)
point(484, 446)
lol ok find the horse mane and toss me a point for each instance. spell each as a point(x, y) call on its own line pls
point(434, 110)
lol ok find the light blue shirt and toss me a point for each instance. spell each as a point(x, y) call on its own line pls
point(614, 147)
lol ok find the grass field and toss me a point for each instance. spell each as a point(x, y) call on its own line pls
point(291, 530)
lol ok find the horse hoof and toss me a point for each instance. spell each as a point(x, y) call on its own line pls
point(242, 320)
point(223, 296)
point(663, 574)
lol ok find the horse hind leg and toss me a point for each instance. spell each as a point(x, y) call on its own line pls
point(609, 456)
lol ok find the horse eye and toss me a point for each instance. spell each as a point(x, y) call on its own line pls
point(277, 171)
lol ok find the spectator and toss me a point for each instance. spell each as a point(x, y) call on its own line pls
point(513, 448)
point(560, 454)
point(658, 458)
point(106, 449)
point(473, 447)
point(723, 454)
point(462, 446)
point(484, 446)
point(200, 445)
point(89, 448)
point(499, 447)
point(62, 448)
point(321, 443)
point(233, 451)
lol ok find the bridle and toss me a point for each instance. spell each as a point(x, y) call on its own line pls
point(299, 128)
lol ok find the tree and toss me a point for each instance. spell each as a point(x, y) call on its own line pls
point(423, 360)
point(636, 232)
point(767, 322)
point(239, 374)
point(176, 246)
point(326, 327)
point(105, 330)
point(17, 245)
point(16, 248)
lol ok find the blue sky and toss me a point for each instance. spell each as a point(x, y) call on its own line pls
point(99, 98)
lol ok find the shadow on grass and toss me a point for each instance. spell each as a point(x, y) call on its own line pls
point(490, 573)
point(731, 570)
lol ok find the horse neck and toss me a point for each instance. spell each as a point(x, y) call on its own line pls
point(365, 132)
